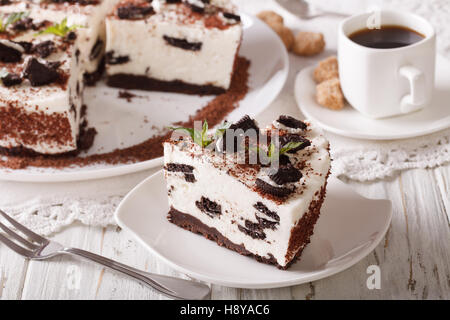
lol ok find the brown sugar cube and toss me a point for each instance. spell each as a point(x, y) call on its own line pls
point(327, 69)
point(329, 94)
point(285, 34)
point(271, 18)
point(308, 43)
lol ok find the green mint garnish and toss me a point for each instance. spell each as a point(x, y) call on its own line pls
point(60, 29)
point(12, 18)
point(199, 137)
point(274, 154)
point(221, 129)
point(202, 139)
point(290, 146)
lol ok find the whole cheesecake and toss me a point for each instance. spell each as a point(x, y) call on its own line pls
point(51, 49)
point(265, 208)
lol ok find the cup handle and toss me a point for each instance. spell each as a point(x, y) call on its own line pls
point(417, 97)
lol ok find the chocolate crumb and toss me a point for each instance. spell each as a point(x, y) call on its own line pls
point(183, 43)
point(123, 94)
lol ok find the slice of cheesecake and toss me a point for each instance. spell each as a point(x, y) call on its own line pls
point(40, 87)
point(187, 46)
point(254, 191)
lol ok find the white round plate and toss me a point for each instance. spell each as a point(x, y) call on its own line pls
point(349, 228)
point(350, 123)
point(121, 124)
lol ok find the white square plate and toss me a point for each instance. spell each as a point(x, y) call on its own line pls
point(349, 228)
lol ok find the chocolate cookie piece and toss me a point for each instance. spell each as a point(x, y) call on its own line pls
point(27, 46)
point(112, 60)
point(184, 168)
point(266, 224)
point(176, 167)
point(211, 208)
point(11, 79)
point(284, 140)
point(9, 54)
point(183, 43)
point(291, 122)
point(266, 188)
point(71, 36)
point(96, 50)
point(196, 5)
point(23, 24)
point(245, 123)
point(40, 74)
point(131, 12)
point(263, 209)
point(255, 234)
point(285, 174)
point(232, 16)
point(44, 49)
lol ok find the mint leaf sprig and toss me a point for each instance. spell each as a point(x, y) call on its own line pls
point(221, 129)
point(60, 29)
point(199, 137)
point(274, 153)
point(12, 18)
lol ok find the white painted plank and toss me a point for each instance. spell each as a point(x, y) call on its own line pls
point(414, 258)
point(442, 176)
point(351, 283)
point(65, 277)
point(13, 270)
point(428, 236)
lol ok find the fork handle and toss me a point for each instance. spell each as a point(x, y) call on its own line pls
point(172, 287)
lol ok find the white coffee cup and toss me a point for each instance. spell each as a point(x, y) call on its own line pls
point(386, 82)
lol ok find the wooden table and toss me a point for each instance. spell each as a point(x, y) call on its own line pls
point(414, 257)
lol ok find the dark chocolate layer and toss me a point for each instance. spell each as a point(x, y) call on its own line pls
point(128, 81)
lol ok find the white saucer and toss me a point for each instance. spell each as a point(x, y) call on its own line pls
point(350, 123)
point(349, 228)
point(121, 124)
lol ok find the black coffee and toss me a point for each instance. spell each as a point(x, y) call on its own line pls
point(387, 37)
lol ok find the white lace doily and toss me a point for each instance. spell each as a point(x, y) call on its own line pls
point(47, 208)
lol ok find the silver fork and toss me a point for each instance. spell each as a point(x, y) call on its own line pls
point(40, 248)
